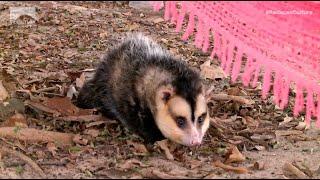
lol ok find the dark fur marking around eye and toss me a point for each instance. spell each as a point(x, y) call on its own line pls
point(181, 121)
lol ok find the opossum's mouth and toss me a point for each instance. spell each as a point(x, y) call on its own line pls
point(189, 144)
point(189, 141)
point(192, 143)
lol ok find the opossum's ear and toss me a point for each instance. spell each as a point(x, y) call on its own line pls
point(165, 93)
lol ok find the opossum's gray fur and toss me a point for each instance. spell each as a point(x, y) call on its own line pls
point(126, 81)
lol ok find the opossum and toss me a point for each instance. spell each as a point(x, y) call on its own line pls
point(151, 92)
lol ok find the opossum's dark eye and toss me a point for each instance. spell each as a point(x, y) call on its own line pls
point(181, 121)
point(201, 118)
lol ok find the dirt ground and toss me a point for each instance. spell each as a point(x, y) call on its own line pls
point(46, 58)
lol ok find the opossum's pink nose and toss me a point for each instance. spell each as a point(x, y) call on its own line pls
point(195, 142)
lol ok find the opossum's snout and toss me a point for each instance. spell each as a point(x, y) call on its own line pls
point(178, 122)
point(193, 140)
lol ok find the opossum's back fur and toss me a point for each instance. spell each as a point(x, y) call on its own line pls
point(126, 81)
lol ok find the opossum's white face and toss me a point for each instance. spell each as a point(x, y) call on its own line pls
point(175, 121)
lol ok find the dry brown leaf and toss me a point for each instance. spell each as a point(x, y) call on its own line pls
point(211, 71)
point(80, 81)
point(234, 155)
point(78, 139)
point(81, 118)
point(131, 27)
point(70, 53)
point(127, 13)
point(158, 20)
point(103, 34)
point(207, 63)
point(285, 120)
point(239, 170)
point(73, 8)
point(42, 107)
point(32, 42)
point(4, 150)
point(164, 146)
point(62, 105)
point(154, 173)
point(209, 90)
point(59, 75)
point(164, 41)
point(92, 164)
point(37, 37)
point(225, 97)
point(302, 166)
point(288, 167)
point(131, 163)
point(97, 123)
point(52, 148)
point(261, 138)
point(35, 135)
point(92, 132)
point(287, 132)
point(17, 120)
point(251, 122)
point(194, 164)
point(301, 126)
point(258, 166)
point(260, 148)
point(140, 149)
point(211, 176)
point(3, 92)
point(33, 88)
point(234, 91)
point(71, 92)
point(163, 175)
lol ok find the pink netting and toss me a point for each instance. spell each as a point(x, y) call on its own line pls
point(283, 48)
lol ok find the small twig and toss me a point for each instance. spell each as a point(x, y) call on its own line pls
point(15, 164)
point(289, 167)
point(54, 163)
point(24, 91)
point(97, 123)
point(25, 158)
point(255, 131)
point(83, 118)
point(89, 70)
point(32, 81)
point(53, 94)
point(44, 89)
point(239, 170)
point(215, 124)
point(287, 132)
point(162, 175)
point(226, 97)
point(209, 90)
point(35, 135)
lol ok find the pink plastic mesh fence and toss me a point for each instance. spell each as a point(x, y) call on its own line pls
point(283, 48)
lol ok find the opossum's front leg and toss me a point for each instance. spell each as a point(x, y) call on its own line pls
point(148, 129)
point(107, 107)
point(141, 122)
